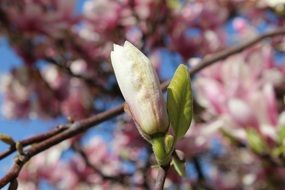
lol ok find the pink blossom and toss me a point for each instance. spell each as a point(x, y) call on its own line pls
point(238, 89)
point(78, 103)
point(104, 15)
point(127, 141)
point(32, 18)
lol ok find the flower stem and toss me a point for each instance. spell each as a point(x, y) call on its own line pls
point(158, 147)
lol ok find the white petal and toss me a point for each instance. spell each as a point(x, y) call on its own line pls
point(139, 85)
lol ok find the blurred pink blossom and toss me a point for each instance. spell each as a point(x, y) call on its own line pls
point(239, 89)
point(79, 101)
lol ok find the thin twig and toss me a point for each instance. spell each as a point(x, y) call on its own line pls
point(73, 130)
point(161, 176)
point(208, 60)
point(198, 168)
point(33, 140)
point(82, 125)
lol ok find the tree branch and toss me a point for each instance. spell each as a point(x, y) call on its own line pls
point(198, 169)
point(82, 125)
point(34, 139)
point(209, 60)
point(161, 176)
point(73, 129)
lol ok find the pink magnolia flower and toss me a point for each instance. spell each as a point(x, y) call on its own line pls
point(32, 18)
point(104, 14)
point(42, 164)
point(79, 101)
point(240, 91)
point(16, 102)
point(127, 141)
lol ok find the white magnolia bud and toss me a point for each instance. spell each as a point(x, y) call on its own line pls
point(140, 87)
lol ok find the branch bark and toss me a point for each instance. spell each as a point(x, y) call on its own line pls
point(34, 139)
point(73, 130)
point(161, 176)
point(82, 125)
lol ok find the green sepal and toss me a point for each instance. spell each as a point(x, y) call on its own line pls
point(158, 147)
point(255, 141)
point(179, 101)
point(179, 165)
point(281, 135)
point(173, 4)
point(278, 151)
point(229, 136)
point(169, 143)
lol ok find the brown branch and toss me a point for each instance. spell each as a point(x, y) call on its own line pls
point(208, 60)
point(33, 140)
point(161, 176)
point(82, 125)
point(73, 129)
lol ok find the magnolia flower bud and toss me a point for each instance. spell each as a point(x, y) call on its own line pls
point(139, 85)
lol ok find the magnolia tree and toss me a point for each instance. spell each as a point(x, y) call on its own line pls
point(223, 130)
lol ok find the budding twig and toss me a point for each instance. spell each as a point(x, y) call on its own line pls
point(161, 176)
point(32, 140)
